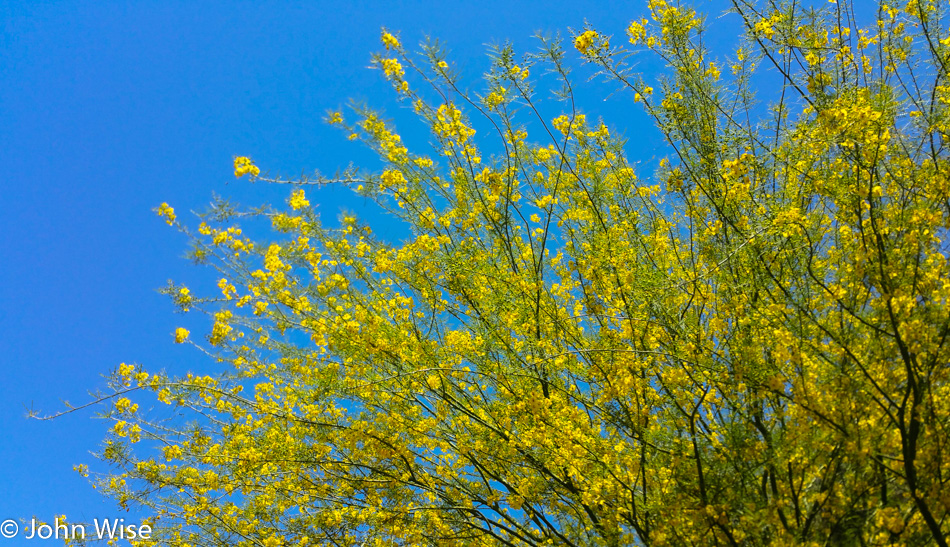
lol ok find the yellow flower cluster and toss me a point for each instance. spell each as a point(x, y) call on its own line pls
point(766, 27)
point(637, 31)
point(390, 41)
point(566, 126)
point(125, 406)
point(584, 41)
point(227, 289)
point(389, 142)
point(243, 165)
point(184, 298)
point(494, 98)
point(392, 178)
point(165, 211)
point(393, 68)
point(272, 258)
point(125, 370)
point(298, 200)
point(124, 429)
point(221, 327)
point(449, 124)
point(181, 334)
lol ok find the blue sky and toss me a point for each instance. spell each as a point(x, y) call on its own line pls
point(108, 109)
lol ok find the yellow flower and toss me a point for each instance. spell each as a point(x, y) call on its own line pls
point(165, 211)
point(544, 201)
point(221, 327)
point(125, 370)
point(298, 200)
point(227, 289)
point(126, 406)
point(243, 165)
point(637, 31)
point(390, 41)
point(495, 98)
point(184, 299)
point(181, 334)
point(172, 452)
point(393, 68)
point(584, 41)
point(391, 178)
point(272, 259)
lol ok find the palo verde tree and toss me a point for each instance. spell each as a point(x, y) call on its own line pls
point(742, 343)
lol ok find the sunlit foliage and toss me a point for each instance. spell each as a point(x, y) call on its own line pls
point(741, 343)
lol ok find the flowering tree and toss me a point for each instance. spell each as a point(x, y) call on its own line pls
point(743, 343)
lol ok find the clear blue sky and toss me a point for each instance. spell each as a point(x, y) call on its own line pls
point(109, 108)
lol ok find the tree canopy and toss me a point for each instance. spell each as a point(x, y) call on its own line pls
point(743, 342)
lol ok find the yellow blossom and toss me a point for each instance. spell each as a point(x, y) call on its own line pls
point(637, 31)
point(243, 166)
point(393, 68)
point(584, 41)
point(298, 200)
point(184, 298)
point(165, 211)
point(390, 41)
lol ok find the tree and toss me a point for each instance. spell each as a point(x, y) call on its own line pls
point(742, 343)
